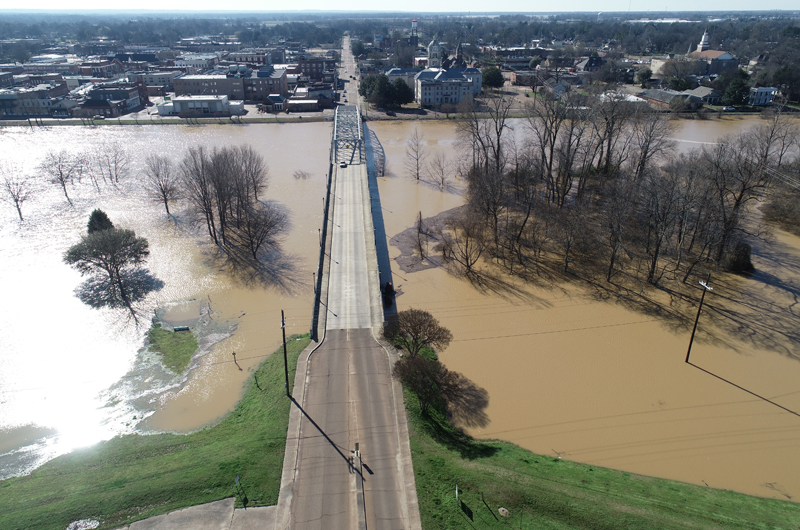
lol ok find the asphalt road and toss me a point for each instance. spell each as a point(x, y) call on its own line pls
point(348, 398)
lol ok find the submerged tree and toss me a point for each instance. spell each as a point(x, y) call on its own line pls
point(98, 221)
point(15, 190)
point(62, 168)
point(109, 252)
point(161, 182)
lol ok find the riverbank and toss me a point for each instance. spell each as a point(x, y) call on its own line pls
point(134, 477)
point(548, 492)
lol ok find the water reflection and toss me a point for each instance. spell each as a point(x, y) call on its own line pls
point(72, 374)
point(582, 373)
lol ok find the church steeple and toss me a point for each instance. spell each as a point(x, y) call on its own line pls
point(434, 54)
point(703, 46)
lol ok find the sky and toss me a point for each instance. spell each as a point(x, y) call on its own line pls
point(422, 6)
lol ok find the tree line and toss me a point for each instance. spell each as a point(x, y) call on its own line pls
point(598, 185)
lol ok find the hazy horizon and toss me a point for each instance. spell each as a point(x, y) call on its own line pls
point(417, 7)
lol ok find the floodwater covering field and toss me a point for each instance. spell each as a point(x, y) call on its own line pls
point(576, 373)
point(569, 372)
point(71, 375)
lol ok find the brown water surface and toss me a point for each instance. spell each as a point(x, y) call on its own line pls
point(572, 372)
point(81, 372)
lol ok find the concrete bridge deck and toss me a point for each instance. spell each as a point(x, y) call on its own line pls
point(348, 462)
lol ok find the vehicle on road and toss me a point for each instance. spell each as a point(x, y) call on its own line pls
point(729, 109)
point(390, 113)
point(342, 164)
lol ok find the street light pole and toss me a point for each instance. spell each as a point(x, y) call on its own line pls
point(706, 287)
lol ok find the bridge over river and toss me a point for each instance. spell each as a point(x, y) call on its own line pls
point(348, 461)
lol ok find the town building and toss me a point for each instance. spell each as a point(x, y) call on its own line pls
point(232, 87)
point(265, 81)
point(436, 86)
point(434, 54)
point(200, 106)
point(316, 68)
point(128, 94)
point(160, 79)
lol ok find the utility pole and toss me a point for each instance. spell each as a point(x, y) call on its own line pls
point(285, 357)
point(706, 287)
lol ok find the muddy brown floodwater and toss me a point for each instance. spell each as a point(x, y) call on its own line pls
point(570, 373)
point(71, 375)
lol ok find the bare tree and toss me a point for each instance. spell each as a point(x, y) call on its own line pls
point(651, 138)
point(439, 170)
point(465, 241)
point(62, 168)
point(261, 227)
point(161, 181)
point(735, 170)
point(416, 153)
point(113, 162)
point(253, 169)
point(15, 189)
point(301, 175)
point(414, 329)
point(483, 131)
point(196, 180)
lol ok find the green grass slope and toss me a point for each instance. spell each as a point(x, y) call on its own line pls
point(137, 476)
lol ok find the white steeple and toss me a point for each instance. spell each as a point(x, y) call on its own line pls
point(703, 46)
point(434, 54)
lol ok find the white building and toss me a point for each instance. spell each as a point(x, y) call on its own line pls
point(436, 86)
point(434, 54)
point(200, 106)
point(764, 95)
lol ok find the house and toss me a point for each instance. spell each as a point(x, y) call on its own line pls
point(707, 94)
point(590, 64)
point(200, 106)
point(764, 95)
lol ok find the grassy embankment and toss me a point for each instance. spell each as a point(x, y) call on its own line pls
point(133, 477)
point(542, 492)
point(175, 348)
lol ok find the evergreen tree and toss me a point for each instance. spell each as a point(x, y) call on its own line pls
point(99, 221)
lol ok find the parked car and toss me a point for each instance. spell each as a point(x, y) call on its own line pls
point(343, 164)
point(729, 109)
point(390, 113)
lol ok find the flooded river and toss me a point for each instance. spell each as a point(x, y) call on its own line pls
point(570, 374)
point(71, 375)
point(567, 373)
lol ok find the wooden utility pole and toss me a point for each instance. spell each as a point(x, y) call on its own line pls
point(706, 287)
point(285, 357)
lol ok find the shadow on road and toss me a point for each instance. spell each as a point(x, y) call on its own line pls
point(349, 459)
